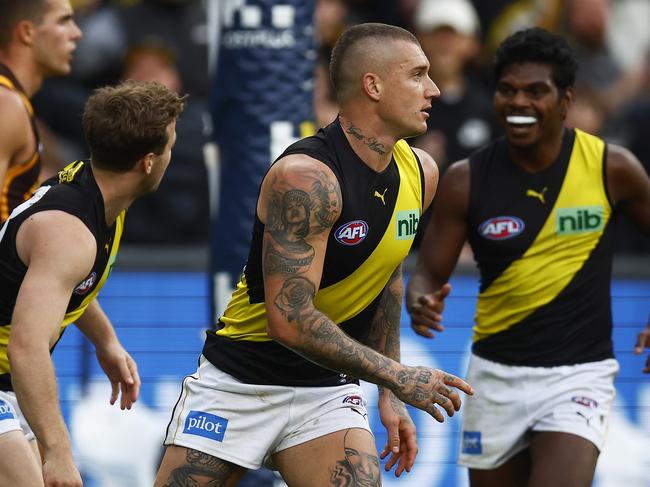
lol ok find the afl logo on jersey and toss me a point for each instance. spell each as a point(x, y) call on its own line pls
point(352, 233)
point(501, 228)
point(84, 286)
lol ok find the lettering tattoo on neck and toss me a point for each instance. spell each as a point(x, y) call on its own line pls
point(372, 142)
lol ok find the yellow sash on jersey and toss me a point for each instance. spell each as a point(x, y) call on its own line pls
point(347, 298)
point(565, 242)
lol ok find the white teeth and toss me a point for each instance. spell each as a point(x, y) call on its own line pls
point(520, 120)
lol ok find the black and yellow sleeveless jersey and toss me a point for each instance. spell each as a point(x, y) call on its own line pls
point(379, 218)
point(74, 191)
point(21, 180)
point(543, 245)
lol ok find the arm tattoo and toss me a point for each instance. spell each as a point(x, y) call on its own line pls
point(292, 216)
point(385, 331)
point(295, 295)
point(201, 469)
point(371, 142)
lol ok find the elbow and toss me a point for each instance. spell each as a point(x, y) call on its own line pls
point(281, 332)
point(15, 352)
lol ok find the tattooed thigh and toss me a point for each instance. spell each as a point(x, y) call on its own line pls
point(203, 470)
point(356, 469)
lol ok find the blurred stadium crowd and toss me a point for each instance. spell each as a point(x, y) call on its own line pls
point(167, 40)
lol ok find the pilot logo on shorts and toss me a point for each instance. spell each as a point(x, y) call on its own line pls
point(5, 411)
point(86, 285)
point(206, 425)
point(501, 228)
point(472, 443)
point(351, 233)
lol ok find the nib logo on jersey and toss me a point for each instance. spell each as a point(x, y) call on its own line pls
point(501, 228)
point(206, 425)
point(583, 219)
point(407, 224)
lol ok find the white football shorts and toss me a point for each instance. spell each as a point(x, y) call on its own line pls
point(510, 402)
point(11, 417)
point(246, 424)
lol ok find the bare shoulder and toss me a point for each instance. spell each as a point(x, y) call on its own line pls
point(457, 176)
point(620, 158)
point(429, 166)
point(431, 175)
point(57, 241)
point(455, 188)
point(299, 178)
point(17, 134)
point(625, 173)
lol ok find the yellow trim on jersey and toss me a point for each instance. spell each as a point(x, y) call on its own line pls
point(4, 81)
point(347, 298)
point(557, 253)
point(75, 313)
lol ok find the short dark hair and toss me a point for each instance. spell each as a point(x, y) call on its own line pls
point(13, 11)
point(538, 46)
point(352, 36)
point(124, 123)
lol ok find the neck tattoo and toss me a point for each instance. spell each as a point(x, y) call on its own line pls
point(372, 142)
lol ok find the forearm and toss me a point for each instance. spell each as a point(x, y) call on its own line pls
point(34, 382)
point(323, 342)
point(384, 334)
point(96, 326)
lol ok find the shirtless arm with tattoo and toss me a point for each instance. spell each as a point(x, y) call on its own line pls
point(293, 254)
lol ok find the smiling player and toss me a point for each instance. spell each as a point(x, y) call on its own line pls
point(536, 207)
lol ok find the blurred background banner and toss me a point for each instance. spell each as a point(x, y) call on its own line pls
point(262, 99)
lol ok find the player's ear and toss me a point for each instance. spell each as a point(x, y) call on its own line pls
point(372, 85)
point(148, 162)
point(566, 98)
point(25, 32)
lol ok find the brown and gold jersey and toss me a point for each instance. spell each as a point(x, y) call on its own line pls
point(21, 179)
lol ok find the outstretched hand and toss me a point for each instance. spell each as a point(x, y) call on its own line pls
point(426, 312)
point(401, 441)
point(122, 372)
point(424, 388)
point(643, 342)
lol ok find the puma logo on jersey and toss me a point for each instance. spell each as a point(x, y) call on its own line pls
point(381, 196)
point(534, 194)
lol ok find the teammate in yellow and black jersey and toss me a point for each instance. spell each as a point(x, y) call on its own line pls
point(73, 191)
point(56, 251)
point(536, 207)
point(372, 235)
point(318, 305)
